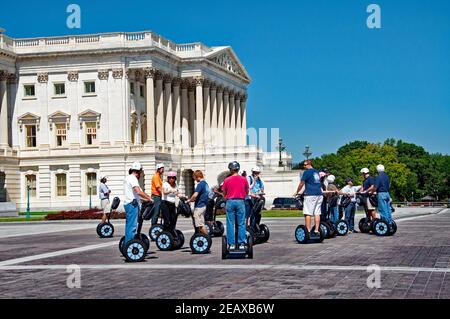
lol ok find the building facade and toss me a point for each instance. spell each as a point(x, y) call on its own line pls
point(77, 107)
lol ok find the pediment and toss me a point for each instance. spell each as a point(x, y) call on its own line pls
point(29, 117)
point(89, 113)
point(228, 60)
point(59, 115)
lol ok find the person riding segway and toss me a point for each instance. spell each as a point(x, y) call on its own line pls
point(157, 184)
point(216, 202)
point(105, 228)
point(348, 201)
point(385, 225)
point(236, 244)
point(254, 204)
point(313, 198)
point(364, 196)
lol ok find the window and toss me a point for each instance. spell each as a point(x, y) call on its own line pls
point(61, 134)
point(31, 135)
point(60, 89)
point(91, 183)
point(29, 90)
point(61, 185)
point(91, 133)
point(131, 88)
point(31, 182)
point(142, 91)
point(89, 87)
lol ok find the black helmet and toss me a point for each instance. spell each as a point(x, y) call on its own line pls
point(325, 170)
point(234, 166)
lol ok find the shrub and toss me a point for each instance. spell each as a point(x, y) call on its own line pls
point(84, 214)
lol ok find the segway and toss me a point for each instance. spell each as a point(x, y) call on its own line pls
point(135, 250)
point(200, 243)
point(156, 229)
point(303, 236)
point(237, 253)
point(260, 232)
point(170, 240)
point(380, 226)
point(365, 223)
point(106, 230)
point(214, 227)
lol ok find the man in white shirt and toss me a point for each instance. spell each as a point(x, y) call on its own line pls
point(133, 195)
point(350, 190)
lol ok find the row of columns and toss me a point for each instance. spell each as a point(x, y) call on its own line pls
point(193, 112)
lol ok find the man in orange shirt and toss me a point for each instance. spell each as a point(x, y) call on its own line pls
point(157, 184)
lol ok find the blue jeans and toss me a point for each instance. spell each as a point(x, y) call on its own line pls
point(350, 215)
point(156, 209)
point(131, 211)
point(334, 214)
point(384, 206)
point(236, 213)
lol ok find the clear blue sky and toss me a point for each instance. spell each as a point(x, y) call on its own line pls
point(319, 74)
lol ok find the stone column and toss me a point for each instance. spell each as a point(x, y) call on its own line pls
point(199, 128)
point(232, 134)
point(220, 117)
point(192, 87)
point(185, 137)
point(237, 103)
point(244, 119)
point(3, 109)
point(159, 109)
point(149, 75)
point(168, 109)
point(177, 112)
point(207, 113)
point(226, 117)
point(213, 115)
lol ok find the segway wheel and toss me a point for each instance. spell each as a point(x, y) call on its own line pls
point(224, 247)
point(332, 228)
point(135, 250)
point(165, 241)
point(380, 228)
point(105, 230)
point(144, 239)
point(180, 239)
point(301, 234)
point(200, 244)
point(392, 228)
point(209, 229)
point(265, 233)
point(122, 240)
point(154, 231)
point(325, 229)
point(342, 228)
point(364, 225)
point(220, 229)
point(319, 239)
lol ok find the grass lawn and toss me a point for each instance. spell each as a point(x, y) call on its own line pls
point(282, 213)
point(22, 219)
point(37, 213)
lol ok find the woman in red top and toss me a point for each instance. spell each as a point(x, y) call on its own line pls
point(235, 189)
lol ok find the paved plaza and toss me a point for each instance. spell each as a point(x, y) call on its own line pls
point(415, 263)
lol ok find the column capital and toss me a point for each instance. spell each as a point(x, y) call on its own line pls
point(220, 89)
point(117, 73)
point(12, 78)
point(244, 97)
point(226, 91)
point(149, 73)
point(199, 80)
point(72, 76)
point(184, 84)
point(138, 75)
point(103, 74)
point(176, 82)
point(232, 94)
point(167, 78)
point(213, 86)
point(158, 75)
point(206, 83)
point(4, 75)
point(192, 85)
point(42, 77)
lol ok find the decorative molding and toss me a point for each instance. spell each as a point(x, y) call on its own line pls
point(149, 73)
point(89, 116)
point(199, 80)
point(72, 76)
point(226, 61)
point(117, 73)
point(29, 118)
point(103, 74)
point(42, 77)
point(59, 118)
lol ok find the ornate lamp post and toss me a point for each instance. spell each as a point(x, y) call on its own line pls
point(90, 195)
point(28, 199)
point(307, 153)
point(281, 148)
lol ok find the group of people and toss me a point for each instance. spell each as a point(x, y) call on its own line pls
point(322, 196)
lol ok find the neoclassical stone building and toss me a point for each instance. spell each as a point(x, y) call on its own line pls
point(77, 107)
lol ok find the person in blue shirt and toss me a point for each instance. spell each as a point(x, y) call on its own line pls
point(368, 188)
point(313, 195)
point(382, 184)
point(200, 198)
point(256, 188)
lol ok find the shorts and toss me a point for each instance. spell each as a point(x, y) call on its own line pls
point(312, 205)
point(106, 206)
point(199, 216)
point(369, 205)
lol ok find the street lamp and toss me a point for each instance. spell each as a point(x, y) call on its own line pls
point(90, 195)
point(28, 198)
point(281, 148)
point(307, 153)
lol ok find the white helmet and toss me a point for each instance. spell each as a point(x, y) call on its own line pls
point(136, 166)
point(256, 169)
point(365, 171)
point(159, 166)
point(103, 177)
point(331, 178)
point(380, 168)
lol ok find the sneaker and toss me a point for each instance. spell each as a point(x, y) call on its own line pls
point(242, 247)
point(232, 247)
point(355, 231)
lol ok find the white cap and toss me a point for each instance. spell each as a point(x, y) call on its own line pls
point(256, 169)
point(331, 178)
point(136, 166)
point(159, 166)
point(380, 168)
point(365, 171)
